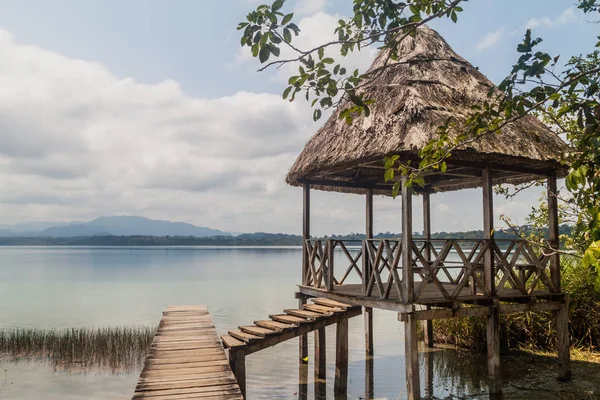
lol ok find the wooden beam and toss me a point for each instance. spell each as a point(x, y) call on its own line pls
point(237, 363)
point(303, 339)
point(320, 354)
point(341, 356)
point(407, 272)
point(563, 341)
point(347, 184)
point(553, 237)
point(427, 325)
point(493, 351)
point(411, 354)
point(368, 311)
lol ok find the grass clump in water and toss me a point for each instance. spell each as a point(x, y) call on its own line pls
point(113, 349)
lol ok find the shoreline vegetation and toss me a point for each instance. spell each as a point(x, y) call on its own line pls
point(246, 239)
point(111, 349)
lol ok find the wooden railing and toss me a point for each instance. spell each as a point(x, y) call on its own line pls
point(450, 268)
point(321, 262)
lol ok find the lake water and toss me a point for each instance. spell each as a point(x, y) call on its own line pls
point(59, 287)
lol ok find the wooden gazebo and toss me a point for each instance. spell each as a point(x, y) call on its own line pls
point(424, 279)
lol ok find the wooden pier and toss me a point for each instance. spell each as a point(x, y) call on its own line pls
point(186, 360)
point(293, 323)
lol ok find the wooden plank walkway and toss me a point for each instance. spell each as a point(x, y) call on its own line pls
point(186, 360)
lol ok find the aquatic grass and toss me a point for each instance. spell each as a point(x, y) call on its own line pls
point(112, 349)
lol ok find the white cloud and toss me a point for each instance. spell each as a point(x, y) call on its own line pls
point(77, 142)
point(490, 40)
point(309, 7)
point(566, 17)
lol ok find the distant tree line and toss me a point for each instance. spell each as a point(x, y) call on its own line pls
point(247, 239)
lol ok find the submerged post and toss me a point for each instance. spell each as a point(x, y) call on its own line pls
point(303, 340)
point(320, 354)
point(427, 324)
point(368, 311)
point(562, 315)
point(340, 384)
point(493, 323)
point(411, 351)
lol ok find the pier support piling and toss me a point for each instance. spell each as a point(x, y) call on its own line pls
point(320, 354)
point(411, 352)
point(237, 363)
point(493, 351)
point(341, 356)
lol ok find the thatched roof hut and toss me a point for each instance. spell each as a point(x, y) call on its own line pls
point(413, 97)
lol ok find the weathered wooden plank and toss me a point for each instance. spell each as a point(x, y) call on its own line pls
point(230, 342)
point(322, 309)
point(257, 330)
point(563, 341)
point(330, 303)
point(203, 385)
point(304, 314)
point(320, 354)
point(289, 319)
point(243, 336)
point(274, 325)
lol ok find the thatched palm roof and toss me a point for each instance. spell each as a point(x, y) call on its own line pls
point(413, 97)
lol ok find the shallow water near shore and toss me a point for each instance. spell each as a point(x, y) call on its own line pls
point(85, 287)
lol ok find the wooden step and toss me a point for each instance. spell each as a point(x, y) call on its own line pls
point(274, 325)
point(330, 303)
point(322, 309)
point(244, 337)
point(305, 314)
point(289, 319)
point(229, 342)
point(257, 331)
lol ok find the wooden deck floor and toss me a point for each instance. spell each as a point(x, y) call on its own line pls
point(352, 294)
point(186, 360)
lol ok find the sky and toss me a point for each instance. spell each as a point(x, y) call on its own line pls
point(151, 108)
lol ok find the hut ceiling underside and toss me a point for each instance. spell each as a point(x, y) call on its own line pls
point(459, 175)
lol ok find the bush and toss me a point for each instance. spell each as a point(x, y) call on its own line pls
point(536, 330)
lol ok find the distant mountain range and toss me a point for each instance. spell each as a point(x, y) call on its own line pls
point(103, 226)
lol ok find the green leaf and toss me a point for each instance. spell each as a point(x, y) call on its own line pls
point(317, 114)
point(321, 52)
point(277, 5)
point(287, 36)
point(274, 50)
point(287, 91)
point(264, 53)
point(453, 16)
point(328, 60)
point(287, 19)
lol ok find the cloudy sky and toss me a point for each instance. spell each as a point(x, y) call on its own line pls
point(150, 108)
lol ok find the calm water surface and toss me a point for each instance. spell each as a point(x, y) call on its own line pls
point(58, 287)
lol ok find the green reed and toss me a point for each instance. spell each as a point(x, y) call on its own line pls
point(112, 349)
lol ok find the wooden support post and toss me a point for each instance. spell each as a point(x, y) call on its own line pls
point(429, 374)
point(553, 237)
point(368, 311)
point(411, 354)
point(237, 363)
point(303, 339)
point(302, 381)
point(320, 354)
point(493, 350)
point(488, 225)
point(493, 323)
point(407, 271)
point(369, 379)
point(341, 356)
point(563, 341)
point(427, 325)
